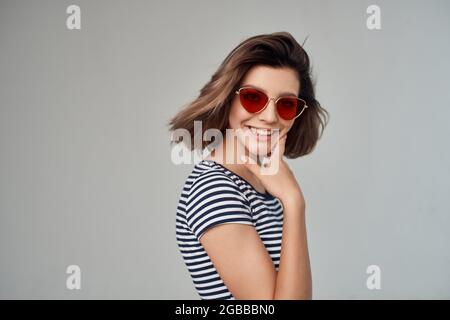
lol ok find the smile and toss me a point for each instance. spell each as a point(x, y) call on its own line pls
point(261, 131)
point(261, 134)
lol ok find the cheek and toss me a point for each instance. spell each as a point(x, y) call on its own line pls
point(237, 116)
point(287, 126)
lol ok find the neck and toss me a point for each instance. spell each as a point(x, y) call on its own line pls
point(228, 153)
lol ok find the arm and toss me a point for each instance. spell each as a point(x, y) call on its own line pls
point(246, 268)
point(241, 260)
point(294, 275)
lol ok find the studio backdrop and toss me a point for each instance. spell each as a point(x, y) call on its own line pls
point(88, 189)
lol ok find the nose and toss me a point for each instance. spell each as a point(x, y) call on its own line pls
point(269, 114)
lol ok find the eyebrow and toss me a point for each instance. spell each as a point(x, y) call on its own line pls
point(281, 94)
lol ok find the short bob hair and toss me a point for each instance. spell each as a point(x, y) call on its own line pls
point(279, 49)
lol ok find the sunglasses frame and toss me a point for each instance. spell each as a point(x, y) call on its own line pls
point(238, 92)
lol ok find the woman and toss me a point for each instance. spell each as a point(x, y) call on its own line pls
point(242, 233)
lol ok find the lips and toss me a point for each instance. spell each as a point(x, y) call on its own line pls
point(260, 134)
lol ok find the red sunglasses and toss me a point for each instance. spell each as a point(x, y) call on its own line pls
point(255, 101)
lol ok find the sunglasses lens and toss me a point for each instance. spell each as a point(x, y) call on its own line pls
point(288, 108)
point(252, 100)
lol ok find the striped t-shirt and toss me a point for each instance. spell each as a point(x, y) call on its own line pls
point(214, 195)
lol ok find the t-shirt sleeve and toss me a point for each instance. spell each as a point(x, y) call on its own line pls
point(215, 199)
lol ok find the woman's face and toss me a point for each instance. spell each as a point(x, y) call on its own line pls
point(275, 82)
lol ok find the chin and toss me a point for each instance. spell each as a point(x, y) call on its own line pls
point(261, 151)
point(253, 143)
point(255, 149)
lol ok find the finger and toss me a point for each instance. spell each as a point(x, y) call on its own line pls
point(283, 145)
point(278, 150)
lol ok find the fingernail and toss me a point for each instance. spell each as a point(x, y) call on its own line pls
point(244, 159)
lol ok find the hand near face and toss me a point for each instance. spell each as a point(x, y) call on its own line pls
point(276, 176)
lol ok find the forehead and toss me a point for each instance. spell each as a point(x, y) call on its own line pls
point(272, 80)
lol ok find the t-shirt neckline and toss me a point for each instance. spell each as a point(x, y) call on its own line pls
point(265, 195)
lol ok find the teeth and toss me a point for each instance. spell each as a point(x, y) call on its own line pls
point(261, 132)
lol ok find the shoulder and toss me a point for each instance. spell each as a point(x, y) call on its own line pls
point(214, 198)
point(210, 183)
point(209, 174)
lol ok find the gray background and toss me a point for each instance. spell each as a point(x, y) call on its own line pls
point(85, 170)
